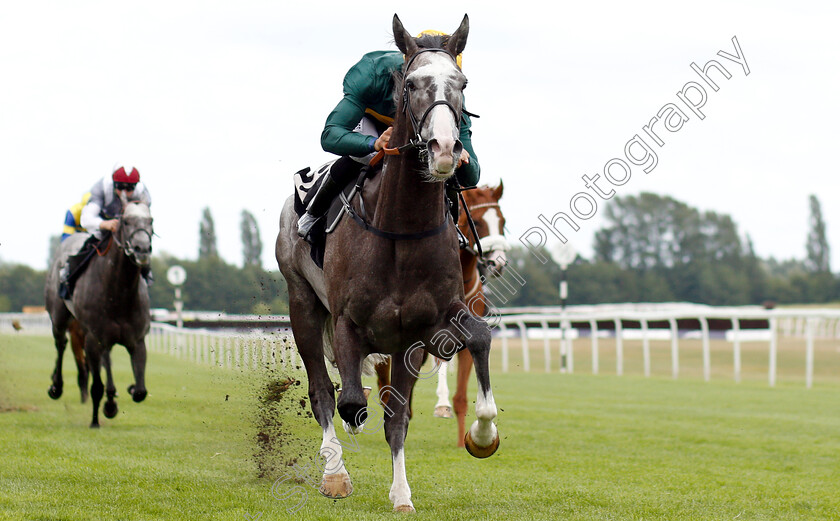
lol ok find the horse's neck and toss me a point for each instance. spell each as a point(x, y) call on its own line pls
point(124, 276)
point(406, 203)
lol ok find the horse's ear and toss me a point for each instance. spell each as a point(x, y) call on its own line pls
point(497, 193)
point(404, 41)
point(458, 40)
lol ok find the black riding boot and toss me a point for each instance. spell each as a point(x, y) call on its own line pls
point(341, 172)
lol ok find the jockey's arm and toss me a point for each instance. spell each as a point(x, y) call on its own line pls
point(469, 172)
point(338, 136)
point(90, 218)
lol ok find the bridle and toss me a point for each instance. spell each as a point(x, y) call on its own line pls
point(125, 243)
point(417, 142)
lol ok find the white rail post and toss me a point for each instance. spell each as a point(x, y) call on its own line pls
point(505, 354)
point(771, 372)
point(736, 348)
point(570, 351)
point(619, 347)
point(645, 347)
point(523, 335)
point(707, 358)
point(547, 347)
point(809, 352)
point(593, 328)
point(675, 353)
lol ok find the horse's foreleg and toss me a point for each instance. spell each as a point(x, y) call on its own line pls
point(482, 439)
point(93, 355)
point(352, 403)
point(57, 387)
point(308, 317)
point(443, 408)
point(138, 366)
point(110, 408)
point(396, 423)
point(77, 344)
point(465, 365)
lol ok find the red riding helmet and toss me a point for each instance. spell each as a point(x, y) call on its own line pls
point(120, 175)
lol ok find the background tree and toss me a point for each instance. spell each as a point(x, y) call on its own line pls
point(251, 243)
point(20, 286)
point(207, 237)
point(818, 254)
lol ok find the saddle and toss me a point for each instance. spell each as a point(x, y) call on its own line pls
point(77, 262)
point(306, 184)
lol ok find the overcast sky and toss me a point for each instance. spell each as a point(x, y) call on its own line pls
point(219, 103)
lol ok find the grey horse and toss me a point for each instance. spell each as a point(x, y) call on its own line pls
point(392, 284)
point(110, 304)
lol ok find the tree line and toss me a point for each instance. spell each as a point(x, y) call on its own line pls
point(656, 249)
point(652, 248)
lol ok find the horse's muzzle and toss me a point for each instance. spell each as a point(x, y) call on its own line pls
point(444, 155)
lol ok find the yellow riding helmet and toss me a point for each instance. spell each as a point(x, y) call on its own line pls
point(432, 32)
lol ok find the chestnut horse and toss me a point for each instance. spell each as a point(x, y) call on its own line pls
point(391, 281)
point(483, 206)
point(110, 305)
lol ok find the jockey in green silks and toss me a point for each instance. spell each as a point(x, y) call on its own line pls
point(360, 125)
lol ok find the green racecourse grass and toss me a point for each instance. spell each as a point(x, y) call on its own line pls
point(578, 447)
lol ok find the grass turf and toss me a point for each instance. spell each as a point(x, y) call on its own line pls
point(573, 447)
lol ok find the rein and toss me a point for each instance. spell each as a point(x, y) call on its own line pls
point(391, 235)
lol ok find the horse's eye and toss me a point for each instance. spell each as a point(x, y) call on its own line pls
point(409, 85)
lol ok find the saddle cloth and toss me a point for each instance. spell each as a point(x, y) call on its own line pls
point(306, 184)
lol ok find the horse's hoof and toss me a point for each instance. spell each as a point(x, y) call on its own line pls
point(94, 425)
point(443, 411)
point(480, 452)
point(55, 392)
point(110, 410)
point(404, 509)
point(336, 486)
point(138, 395)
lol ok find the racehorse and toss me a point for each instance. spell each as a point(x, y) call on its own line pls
point(391, 282)
point(482, 204)
point(110, 305)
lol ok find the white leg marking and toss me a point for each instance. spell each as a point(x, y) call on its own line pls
point(331, 452)
point(483, 430)
point(442, 387)
point(400, 492)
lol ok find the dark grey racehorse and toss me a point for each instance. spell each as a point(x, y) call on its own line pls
point(392, 283)
point(110, 303)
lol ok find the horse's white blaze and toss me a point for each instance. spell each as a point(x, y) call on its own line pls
point(400, 494)
point(483, 431)
point(331, 452)
point(441, 123)
point(442, 387)
point(494, 223)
